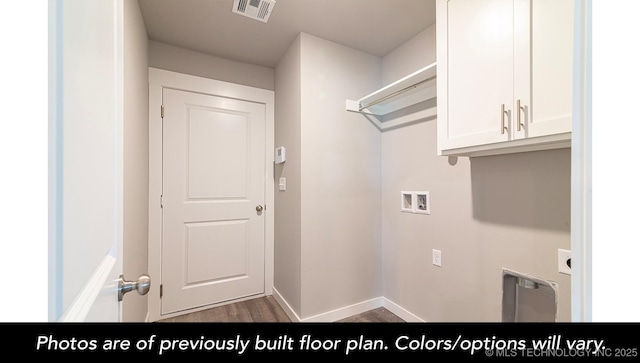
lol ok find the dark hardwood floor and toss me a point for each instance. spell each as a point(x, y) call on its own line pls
point(266, 309)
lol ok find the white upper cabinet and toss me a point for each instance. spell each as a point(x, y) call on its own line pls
point(544, 65)
point(505, 75)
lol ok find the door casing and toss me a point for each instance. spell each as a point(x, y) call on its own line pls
point(159, 79)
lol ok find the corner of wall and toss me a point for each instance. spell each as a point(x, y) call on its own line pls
point(340, 178)
point(287, 243)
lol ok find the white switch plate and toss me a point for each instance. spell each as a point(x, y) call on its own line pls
point(283, 183)
point(564, 260)
point(280, 156)
point(437, 257)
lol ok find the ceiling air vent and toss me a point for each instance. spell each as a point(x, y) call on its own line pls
point(255, 9)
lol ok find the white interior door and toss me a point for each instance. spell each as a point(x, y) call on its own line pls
point(85, 159)
point(213, 196)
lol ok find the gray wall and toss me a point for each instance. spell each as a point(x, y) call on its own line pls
point(136, 157)
point(510, 211)
point(288, 239)
point(340, 179)
point(172, 58)
point(416, 53)
point(327, 222)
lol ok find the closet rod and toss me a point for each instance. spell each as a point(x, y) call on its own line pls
point(361, 107)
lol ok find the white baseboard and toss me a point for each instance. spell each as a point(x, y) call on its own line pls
point(344, 312)
point(285, 306)
point(401, 312)
point(347, 311)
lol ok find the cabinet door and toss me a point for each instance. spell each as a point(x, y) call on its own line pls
point(543, 56)
point(478, 66)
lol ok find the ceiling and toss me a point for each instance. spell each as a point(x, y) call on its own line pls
point(209, 26)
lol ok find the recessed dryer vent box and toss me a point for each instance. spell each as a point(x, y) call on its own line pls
point(527, 298)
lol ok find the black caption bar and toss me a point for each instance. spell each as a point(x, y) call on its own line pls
point(337, 341)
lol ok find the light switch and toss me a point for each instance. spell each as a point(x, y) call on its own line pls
point(283, 184)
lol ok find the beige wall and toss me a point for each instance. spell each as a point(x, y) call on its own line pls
point(509, 211)
point(136, 157)
point(172, 58)
point(287, 255)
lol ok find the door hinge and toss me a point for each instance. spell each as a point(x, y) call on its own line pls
point(161, 201)
point(162, 111)
point(161, 291)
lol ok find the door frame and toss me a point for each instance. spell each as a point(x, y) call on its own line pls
point(159, 79)
point(581, 159)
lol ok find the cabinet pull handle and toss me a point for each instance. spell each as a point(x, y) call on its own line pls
point(502, 112)
point(520, 109)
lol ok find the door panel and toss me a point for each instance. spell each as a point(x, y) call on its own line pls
point(213, 179)
point(203, 243)
point(480, 70)
point(86, 169)
point(544, 63)
point(215, 132)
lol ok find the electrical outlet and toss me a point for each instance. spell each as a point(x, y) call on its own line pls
point(564, 261)
point(437, 257)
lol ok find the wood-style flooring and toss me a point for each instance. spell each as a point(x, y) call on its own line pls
point(266, 309)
